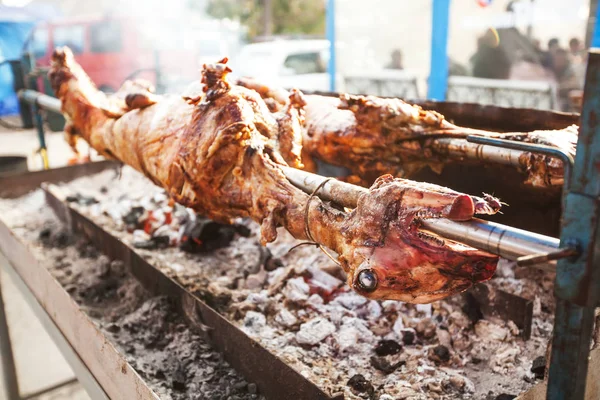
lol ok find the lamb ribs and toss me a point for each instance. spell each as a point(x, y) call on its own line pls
point(372, 136)
point(219, 150)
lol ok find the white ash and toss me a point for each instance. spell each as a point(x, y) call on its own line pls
point(353, 334)
point(296, 290)
point(505, 359)
point(315, 301)
point(426, 309)
point(285, 318)
point(170, 356)
point(478, 365)
point(255, 321)
point(314, 331)
point(350, 300)
point(489, 331)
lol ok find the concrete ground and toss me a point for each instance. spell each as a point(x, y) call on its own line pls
point(26, 143)
point(39, 362)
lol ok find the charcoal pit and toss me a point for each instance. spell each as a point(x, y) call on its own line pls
point(300, 310)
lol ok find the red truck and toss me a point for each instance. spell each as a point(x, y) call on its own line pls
point(114, 49)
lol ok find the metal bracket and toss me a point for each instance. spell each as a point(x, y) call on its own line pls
point(534, 259)
point(568, 162)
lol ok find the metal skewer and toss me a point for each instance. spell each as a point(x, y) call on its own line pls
point(463, 149)
point(41, 100)
point(504, 241)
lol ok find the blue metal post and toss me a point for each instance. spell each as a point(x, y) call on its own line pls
point(596, 36)
point(438, 73)
point(577, 286)
point(330, 33)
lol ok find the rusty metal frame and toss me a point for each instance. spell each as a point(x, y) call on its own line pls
point(498, 303)
point(19, 184)
point(85, 378)
point(274, 378)
point(9, 371)
point(10, 187)
point(114, 376)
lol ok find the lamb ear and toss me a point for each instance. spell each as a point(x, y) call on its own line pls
point(140, 100)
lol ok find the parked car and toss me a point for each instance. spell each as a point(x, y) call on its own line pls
point(298, 64)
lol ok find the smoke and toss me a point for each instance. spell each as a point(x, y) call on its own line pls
point(165, 42)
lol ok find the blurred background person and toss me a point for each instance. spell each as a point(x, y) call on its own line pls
point(537, 45)
point(527, 68)
point(575, 47)
point(553, 46)
point(490, 61)
point(456, 69)
point(396, 60)
point(565, 76)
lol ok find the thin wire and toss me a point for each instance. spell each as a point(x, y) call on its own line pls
point(307, 227)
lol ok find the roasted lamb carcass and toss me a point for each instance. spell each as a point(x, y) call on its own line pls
point(372, 136)
point(220, 151)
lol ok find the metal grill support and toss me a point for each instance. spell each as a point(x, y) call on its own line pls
point(577, 285)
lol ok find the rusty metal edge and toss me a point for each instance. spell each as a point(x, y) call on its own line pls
point(275, 379)
point(118, 379)
point(498, 303)
point(475, 115)
point(19, 184)
point(82, 374)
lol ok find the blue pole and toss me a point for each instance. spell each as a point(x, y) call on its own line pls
point(330, 34)
point(438, 73)
point(596, 37)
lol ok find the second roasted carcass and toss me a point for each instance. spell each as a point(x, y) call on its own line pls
point(372, 136)
point(219, 150)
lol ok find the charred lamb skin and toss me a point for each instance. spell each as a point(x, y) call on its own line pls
point(219, 150)
point(372, 136)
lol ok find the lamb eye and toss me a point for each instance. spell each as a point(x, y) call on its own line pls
point(366, 280)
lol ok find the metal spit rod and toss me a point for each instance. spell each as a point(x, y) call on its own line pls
point(459, 147)
point(504, 241)
point(43, 101)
